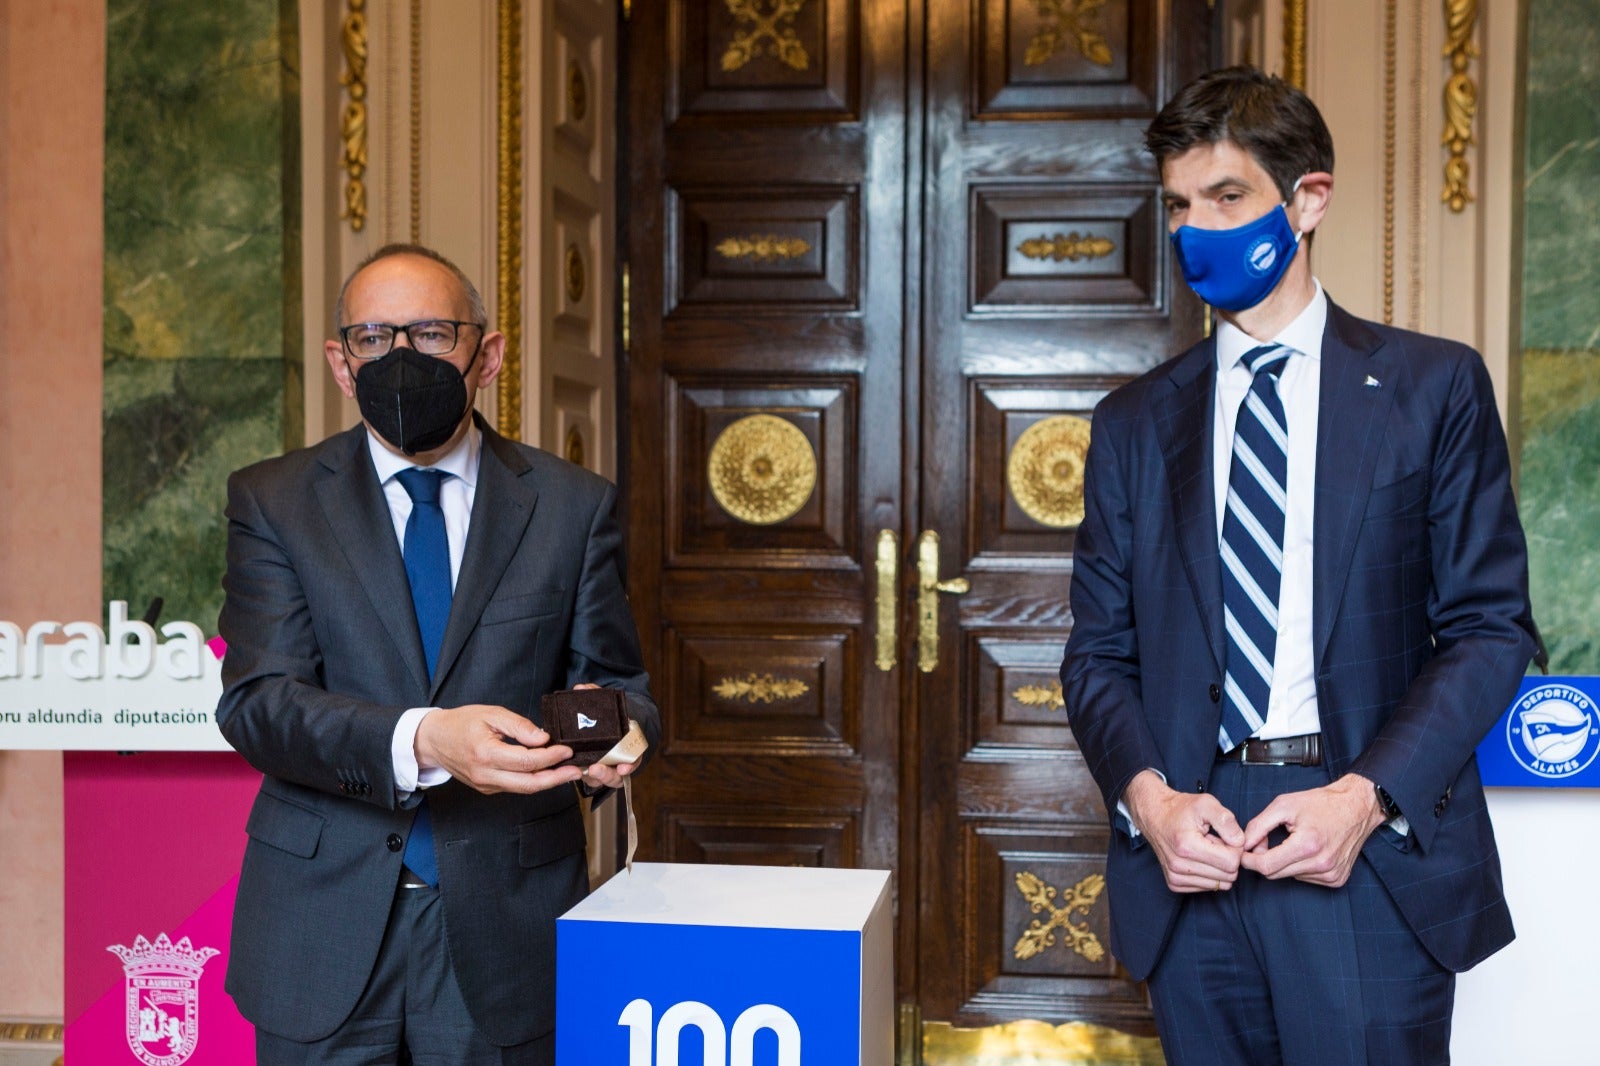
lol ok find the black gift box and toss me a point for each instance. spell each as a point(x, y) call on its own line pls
point(590, 721)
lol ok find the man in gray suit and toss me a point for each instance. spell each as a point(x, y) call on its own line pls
point(399, 597)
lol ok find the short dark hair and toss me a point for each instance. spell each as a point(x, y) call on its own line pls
point(475, 306)
point(1263, 114)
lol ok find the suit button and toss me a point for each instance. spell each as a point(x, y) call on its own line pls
point(344, 786)
point(1215, 692)
point(394, 842)
point(1438, 809)
point(1199, 785)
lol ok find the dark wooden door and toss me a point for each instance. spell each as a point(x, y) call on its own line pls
point(884, 258)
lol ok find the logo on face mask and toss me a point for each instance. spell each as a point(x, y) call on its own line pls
point(1262, 255)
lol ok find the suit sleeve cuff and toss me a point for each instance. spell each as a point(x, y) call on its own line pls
point(408, 776)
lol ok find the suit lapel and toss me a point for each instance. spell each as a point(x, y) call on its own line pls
point(1184, 432)
point(501, 509)
point(1358, 385)
point(354, 505)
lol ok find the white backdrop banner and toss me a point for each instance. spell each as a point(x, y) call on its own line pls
point(124, 687)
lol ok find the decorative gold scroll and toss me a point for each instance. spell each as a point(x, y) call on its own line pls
point(763, 26)
point(574, 447)
point(767, 247)
point(762, 469)
point(1460, 100)
point(1041, 935)
point(1074, 21)
point(574, 274)
point(1035, 1042)
point(762, 688)
point(1067, 246)
point(353, 120)
point(1045, 470)
point(508, 285)
point(32, 1032)
point(1294, 43)
point(1049, 696)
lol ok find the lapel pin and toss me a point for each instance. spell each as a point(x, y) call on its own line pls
point(1373, 383)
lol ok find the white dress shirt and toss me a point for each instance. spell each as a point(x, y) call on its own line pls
point(1292, 706)
point(456, 494)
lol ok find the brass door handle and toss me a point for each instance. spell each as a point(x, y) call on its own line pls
point(928, 588)
point(888, 598)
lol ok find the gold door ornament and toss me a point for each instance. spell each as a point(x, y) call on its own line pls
point(1077, 21)
point(574, 273)
point(760, 688)
point(1041, 897)
point(1067, 246)
point(1049, 696)
point(762, 469)
point(353, 120)
point(1045, 470)
point(773, 23)
point(1460, 101)
point(766, 247)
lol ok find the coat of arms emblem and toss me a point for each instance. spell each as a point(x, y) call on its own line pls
point(163, 998)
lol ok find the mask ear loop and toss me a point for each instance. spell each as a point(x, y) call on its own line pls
point(1296, 188)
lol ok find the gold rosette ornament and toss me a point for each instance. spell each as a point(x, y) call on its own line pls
point(762, 469)
point(1045, 470)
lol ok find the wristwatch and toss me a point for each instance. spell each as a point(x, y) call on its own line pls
point(1386, 803)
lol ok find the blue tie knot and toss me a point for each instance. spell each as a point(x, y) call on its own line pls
point(1268, 358)
point(422, 485)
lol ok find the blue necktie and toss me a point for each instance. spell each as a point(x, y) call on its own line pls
point(427, 554)
point(1252, 546)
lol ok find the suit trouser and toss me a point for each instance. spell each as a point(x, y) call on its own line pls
point(411, 1013)
point(1288, 972)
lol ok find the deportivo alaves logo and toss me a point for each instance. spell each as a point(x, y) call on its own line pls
point(124, 649)
point(1554, 731)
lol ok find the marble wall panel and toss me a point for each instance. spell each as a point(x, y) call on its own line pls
point(201, 285)
point(1560, 414)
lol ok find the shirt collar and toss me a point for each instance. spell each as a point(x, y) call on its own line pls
point(1304, 334)
point(461, 461)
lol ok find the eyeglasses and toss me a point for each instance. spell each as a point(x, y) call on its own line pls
point(373, 340)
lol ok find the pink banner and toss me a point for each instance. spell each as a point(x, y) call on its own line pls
point(153, 847)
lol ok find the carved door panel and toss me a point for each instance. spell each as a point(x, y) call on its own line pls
point(765, 378)
point(885, 257)
point(1047, 282)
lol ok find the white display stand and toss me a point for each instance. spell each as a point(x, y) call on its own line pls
point(728, 966)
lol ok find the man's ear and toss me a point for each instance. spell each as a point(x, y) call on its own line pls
point(491, 357)
point(1310, 201)
point(341, 368)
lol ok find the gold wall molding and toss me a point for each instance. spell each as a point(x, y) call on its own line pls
point(575, 451)
point(762, 25)
point(1041, 896)
point(508, 285)
point(353, 119)
point(1390, 106)
point(32, 1032)
point(762, 469)
point(1049, 696)
point(767, 247)
point(1069, 21)
point(1294, 42)
point(1460, 100)
point(577, 93)
point(760, 688)
point(416, 121)
point(1067, 246)
point(1044, 471)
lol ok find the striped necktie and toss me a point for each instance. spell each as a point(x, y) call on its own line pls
point(427, 554)
point(1252, 545)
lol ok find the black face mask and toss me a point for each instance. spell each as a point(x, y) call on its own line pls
point(411, 400)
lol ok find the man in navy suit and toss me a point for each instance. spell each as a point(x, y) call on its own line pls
point(399, 598)
point(1299, 601)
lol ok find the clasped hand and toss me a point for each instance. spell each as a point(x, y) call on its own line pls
point(1202, 848)
point(493, 749)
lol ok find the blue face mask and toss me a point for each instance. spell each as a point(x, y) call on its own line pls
point(1235, 269)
